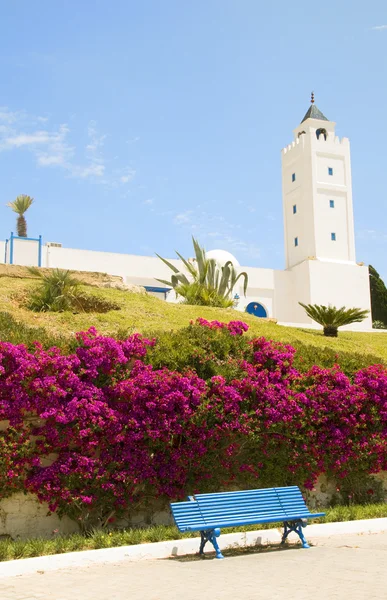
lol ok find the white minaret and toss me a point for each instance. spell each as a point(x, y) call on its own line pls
point(317, 193)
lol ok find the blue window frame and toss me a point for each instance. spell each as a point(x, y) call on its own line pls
point(294, 208)
point(333, 237)
point(331, 204)
point(293, 177)
point(330, 171)
point(296, 241)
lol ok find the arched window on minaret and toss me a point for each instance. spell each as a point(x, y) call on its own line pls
point(321, 132)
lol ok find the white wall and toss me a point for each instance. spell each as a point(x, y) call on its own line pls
point(25, 252)
point(2, 252)
point(139, 270)
point(321, 282)
point(292, 287)
point(341, 285)
point(260, 289)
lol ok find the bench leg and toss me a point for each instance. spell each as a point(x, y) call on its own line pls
point(210, 535)
point(296, 527)
point(203, 542)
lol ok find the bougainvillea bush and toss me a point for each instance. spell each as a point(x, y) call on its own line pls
point(98, 432)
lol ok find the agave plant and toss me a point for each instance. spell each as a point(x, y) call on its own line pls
point(58, 291)
point(20, 207)
point(205, 283)
point(331, 318)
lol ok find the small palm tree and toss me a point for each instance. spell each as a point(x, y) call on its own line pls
point(331, 318)
point(20, 207)
point(207, 283)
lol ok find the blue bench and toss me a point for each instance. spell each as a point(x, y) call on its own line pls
point(207, 513)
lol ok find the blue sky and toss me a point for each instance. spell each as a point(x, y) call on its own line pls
point(135, 124)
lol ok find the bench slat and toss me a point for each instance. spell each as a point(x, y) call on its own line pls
point(259, 491)
point(240, 506)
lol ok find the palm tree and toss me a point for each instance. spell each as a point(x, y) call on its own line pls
point(331, 318)
point(207, 284)
point(20, 206)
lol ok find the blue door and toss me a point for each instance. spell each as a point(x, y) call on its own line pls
point(256, 309)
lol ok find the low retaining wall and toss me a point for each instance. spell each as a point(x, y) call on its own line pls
point(22, 516)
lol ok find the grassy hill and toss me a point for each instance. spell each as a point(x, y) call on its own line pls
point(146, 314)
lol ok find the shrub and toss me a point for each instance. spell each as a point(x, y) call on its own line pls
point(59, 291)
point(18, 332)
point(378, 297)
point(378, 325)
point(324, 356)
point(210, 351)
point(124, 431)
point(209, 348)
point(15, 453)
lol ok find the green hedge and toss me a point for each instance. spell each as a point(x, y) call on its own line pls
point(186, 348)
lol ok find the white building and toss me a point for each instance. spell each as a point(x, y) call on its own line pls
point(320, 257)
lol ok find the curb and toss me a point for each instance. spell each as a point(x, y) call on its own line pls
point(183, 547)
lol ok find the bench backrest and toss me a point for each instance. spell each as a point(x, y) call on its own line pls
point(226, 509)
point(187, 516)
point(260, 505)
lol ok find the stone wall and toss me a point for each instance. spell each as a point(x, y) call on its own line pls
point(22, 516)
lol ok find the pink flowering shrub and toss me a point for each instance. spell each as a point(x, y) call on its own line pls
point(234, 327)
point(119, 423)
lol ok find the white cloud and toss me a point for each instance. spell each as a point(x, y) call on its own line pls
point(379, 27)
point(148, 202)
point(183, 218)
point(128, 175)
point(372, 234)
point(51, 148)
point(96, 141)
point(57, 152)
point(9, 117)
point(214, 231)
point(25, 139)
point(85, 172)
point(45, 160)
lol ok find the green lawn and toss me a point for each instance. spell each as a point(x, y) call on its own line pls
point(144, 313)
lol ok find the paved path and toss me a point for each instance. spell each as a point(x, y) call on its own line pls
point(353, 567)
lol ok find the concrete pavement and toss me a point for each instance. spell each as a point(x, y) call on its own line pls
point(339, 566)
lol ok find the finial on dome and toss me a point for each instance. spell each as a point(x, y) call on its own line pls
point(312, 98)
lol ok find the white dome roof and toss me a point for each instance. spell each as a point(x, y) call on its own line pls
point(222, 256)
